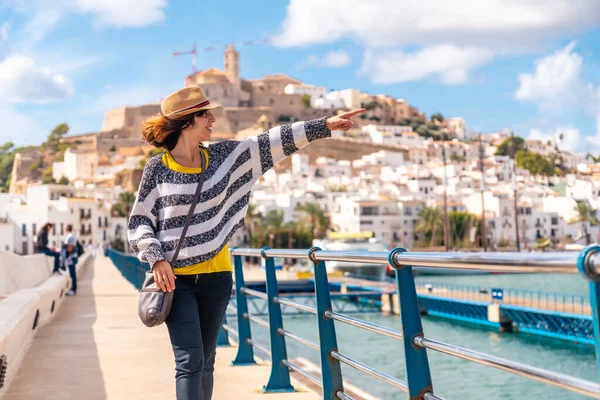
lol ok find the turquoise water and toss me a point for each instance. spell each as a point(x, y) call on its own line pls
point(454, 378)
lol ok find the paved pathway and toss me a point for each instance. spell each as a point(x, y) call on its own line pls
point(96, 348)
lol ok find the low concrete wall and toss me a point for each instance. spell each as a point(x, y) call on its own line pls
point(24, 311)
point(23, 272)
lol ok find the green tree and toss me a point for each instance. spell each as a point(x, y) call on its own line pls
point(6, 148)
point(585, 215)
point(460, 224)
point(315, 217)
point(252, 218)
point(431, 226)
point(63, 180)
point(305, 99)
point(505, 149)
point(535, 163)
point(457, 158)
point(437, 117)
point(122, 208)
point(47, 176)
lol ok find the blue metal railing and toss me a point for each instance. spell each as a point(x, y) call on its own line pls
point(419, 383)
point(549, 301)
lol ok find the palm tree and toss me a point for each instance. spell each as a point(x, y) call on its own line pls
point(252, 217)
point(124, 205)
point(316, 218)
point(274, 223)
point(431, 223)
point(461, 223)
point(585, 215)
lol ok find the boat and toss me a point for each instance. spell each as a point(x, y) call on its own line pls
point(353, 241)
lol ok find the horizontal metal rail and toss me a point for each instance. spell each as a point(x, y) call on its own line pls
point(295, 305)
point(258, 346)
point(297, 338)
point(255, 293)
point(397, 383)
point(230, 330)
point(551, 262)
point(343, 396)
point(364, 325)
point(302, 372)
point(256, 320)
point(561, 380)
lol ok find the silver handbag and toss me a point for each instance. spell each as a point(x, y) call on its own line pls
point(154, 305)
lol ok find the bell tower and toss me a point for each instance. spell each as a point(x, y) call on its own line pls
point(232, 65)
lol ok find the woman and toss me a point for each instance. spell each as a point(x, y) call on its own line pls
point(41, 245)
point(203, 266)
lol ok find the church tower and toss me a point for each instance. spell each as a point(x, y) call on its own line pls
point(232, 65)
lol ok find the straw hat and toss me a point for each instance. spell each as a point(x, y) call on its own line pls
point(189, 100)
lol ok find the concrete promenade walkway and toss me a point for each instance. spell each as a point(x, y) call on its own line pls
point(96, 348)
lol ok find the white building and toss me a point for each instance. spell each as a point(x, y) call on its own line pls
point(347, 98)
point(315, 92)
point(77, 164)
point(537, 146)
point(459, 127)
point(59, 205)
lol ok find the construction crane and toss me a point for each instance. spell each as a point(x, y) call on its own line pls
point(194, 51)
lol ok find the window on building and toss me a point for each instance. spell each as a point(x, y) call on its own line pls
point(24, 249)
point(103, 235)
point(62, 228)
point(54, 229)
point(554, 221)
point(33, 229)
point(370, 210)
point(99, 222)
point(105, 222)
point(367, 222)
point(24, 230)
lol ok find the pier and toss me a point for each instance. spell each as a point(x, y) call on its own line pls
point(93, 346)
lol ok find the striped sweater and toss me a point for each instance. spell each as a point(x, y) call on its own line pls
point(164, 196)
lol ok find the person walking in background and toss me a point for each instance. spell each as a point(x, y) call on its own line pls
point(41, 245)
point(69, 258)
point(203, 266)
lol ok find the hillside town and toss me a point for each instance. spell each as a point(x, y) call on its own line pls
point(411, 180)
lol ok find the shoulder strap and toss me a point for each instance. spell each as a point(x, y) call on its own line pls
point(192, 207)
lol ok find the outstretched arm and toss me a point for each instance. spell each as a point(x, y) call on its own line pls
point(269, 148)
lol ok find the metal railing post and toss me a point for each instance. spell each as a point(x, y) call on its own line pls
point(279, 380)
point(223, 339)
point(245, 353)
point(330, 367)
point(585, 267)
point(418, 375)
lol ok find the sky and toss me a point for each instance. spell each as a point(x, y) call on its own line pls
point(530, 66)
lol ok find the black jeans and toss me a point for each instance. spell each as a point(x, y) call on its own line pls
point(73, 274)
point(54, 254)
point(199, 304)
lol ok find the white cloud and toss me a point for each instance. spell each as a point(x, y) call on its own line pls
point(450, 64)
point(573, 140)
point(506, 24)
point(557, 82)
point(45, 15)
point(481, 30)
point(21, 81)
point(332, 59)
point(121, 13)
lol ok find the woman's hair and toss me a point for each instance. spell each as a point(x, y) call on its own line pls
point(164, 132)
point(46, 226)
